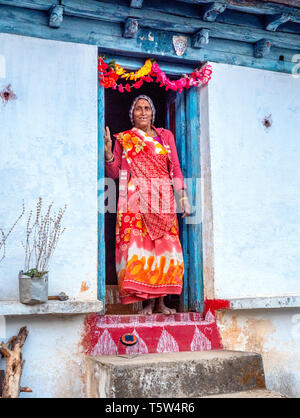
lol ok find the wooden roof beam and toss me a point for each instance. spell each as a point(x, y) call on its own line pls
point(274, 21)
point(56, 16)
point(257, 7)
point(213, 10)
point(94, 32)
point(138, 4)
point(131, 28)
point(261, 48)
point(30, 4)
point(90, 9)
point(174, 23)
point(200, 39)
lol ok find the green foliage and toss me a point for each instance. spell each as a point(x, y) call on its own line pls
point(35, 273)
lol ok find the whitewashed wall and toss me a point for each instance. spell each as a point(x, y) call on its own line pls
point(255, 175)
point(275, 334)
point(54, 366)
point(254, 224)
point(48, 140)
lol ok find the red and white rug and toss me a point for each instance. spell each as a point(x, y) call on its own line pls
point(156, 333)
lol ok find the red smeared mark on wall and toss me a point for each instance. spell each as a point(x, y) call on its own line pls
point(90, 334)
point(7, 94)
point(213, 305)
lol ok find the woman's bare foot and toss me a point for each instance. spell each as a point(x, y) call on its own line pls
point(162, 308)
point(148, 309)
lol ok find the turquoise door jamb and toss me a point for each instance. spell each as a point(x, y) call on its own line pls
point(180, 118)
point(100, 199)
point(193, 225)
point(187, 109)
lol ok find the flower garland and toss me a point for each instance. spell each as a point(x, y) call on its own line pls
point(142, 72)
point(197, 78)
point(149, 72)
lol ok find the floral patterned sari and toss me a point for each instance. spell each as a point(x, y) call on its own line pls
point(149, 260)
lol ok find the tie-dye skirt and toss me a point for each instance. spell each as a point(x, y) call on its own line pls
point(149, 259)
point(146, 268)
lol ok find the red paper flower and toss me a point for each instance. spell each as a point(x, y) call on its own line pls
point(109, 80)
point(138, 84)
point(102, 66)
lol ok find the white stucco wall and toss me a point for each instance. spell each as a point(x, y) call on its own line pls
point(48, 140)
point(254, 222)
point(54, 366)
point(255, 175)
point(275, 334)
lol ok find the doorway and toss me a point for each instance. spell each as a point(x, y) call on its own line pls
point(173, 110)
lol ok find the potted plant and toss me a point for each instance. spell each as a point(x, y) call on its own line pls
point(42, 235)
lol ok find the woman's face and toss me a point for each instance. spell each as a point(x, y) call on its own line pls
point(142, 114)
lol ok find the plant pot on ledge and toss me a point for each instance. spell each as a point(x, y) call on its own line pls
point(33, 289)
point(43, 231)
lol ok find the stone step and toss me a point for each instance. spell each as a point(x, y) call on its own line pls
point(156, 333)
point(174, 375)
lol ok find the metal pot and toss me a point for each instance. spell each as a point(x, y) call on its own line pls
point(33, 290)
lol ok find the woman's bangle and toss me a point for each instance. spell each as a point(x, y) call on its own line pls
point(182, 198)
point(110, 160)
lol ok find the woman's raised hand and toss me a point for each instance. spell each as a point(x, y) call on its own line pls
point(107, 144)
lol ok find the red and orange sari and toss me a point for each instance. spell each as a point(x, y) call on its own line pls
point(149, 260)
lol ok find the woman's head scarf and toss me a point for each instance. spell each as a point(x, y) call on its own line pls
point(141, 96)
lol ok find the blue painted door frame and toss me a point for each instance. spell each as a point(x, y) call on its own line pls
point(188, 146)
point(194, 224)
point(187, 118)
point(101, 198)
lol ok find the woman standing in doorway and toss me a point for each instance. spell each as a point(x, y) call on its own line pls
point(149, 259)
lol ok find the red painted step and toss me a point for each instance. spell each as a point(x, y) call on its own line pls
point(156, 333)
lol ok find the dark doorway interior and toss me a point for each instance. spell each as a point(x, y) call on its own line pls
point(117, 107)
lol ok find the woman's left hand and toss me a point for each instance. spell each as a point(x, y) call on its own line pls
point(185, 206)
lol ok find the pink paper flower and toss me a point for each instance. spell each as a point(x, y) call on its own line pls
point(138, 84)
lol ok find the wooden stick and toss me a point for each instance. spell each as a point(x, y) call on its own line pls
point(12, 351)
